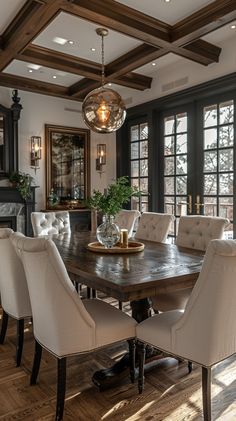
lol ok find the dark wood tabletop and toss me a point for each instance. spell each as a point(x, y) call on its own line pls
point(158, 268)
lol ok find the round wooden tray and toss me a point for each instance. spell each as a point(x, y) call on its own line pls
point(133, 247)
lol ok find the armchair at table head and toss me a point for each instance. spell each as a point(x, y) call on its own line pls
point(125, 219)
point(205, 332)
point(154, 226)
point(13, 288)
point(67, 325)
point(48, 223)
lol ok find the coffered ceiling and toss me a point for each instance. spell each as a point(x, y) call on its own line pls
point(51, 47)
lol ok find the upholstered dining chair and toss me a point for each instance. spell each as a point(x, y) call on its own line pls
point(205, 332)
point(47, 223)
point(154, 226)
point(125, 219)
point(67, 326)
point(13, 290)
point(195, 232)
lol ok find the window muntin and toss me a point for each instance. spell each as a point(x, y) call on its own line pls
point(175, 166)
point(139, 164)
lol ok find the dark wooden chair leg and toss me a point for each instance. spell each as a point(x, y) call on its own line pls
point(88, 292)
point(132, 346)
point(206, 393)
point(141, 357)
point(190, 367)
point(3, 327)
point(19, 341)
point(120, 305)
point(36, 364)
point(61, 387)
point(94, 293)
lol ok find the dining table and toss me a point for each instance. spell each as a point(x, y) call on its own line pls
point(135, 277)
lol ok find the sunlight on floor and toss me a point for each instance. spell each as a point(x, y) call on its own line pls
point(139, 414)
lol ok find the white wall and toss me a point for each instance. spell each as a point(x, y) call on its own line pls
point(39, 110)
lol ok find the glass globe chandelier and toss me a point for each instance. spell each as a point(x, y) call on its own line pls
point(103, 109)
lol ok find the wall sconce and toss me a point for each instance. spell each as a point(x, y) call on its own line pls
point(101, 157)
point(35, 152)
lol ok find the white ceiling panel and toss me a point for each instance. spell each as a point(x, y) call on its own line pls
point(170, 12)
point(220, 35)
point(165, 61)
point(44, 74)
point(83, 34)
point(8, 10)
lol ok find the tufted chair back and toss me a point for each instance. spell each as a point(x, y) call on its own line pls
point(13, 285)
point(154, 226)
point(196, 232)
point(50, 223)
point(125, 219)
point(57, 309)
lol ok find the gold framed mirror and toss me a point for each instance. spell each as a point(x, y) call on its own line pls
point(67, 167)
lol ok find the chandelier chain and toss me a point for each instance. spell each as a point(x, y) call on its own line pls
point(103, 71)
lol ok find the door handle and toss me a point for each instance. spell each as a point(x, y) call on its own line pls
point(190, 204)
point(198, 205)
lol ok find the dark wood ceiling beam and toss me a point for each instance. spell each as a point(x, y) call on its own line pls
point(121, 18)
point(132, 23)
point(134, 59)
point(209, 18)
point(31, 85)
point(28, 23)
point(197, 51)
point(72, 64)
point(60, 61)
point(82, 88)
point(204, 49)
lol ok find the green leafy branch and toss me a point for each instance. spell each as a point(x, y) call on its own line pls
point(112, 201)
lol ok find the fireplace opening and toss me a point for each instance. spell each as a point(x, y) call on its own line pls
point(8, 222)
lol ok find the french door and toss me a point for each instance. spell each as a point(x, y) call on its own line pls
point(198, 151)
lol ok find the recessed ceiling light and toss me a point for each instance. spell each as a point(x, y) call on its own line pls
point(167, 1)
point(153, 64)
point(93, 49)
point(71, 42)
point(30, 70)
point(233, 26)
point(59, 40)
point(54, 77)
point(109, 84)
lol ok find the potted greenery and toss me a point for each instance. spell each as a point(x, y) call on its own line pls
point(23, 182)
point(110, 203)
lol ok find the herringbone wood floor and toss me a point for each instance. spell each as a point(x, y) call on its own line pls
point(170, 393)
